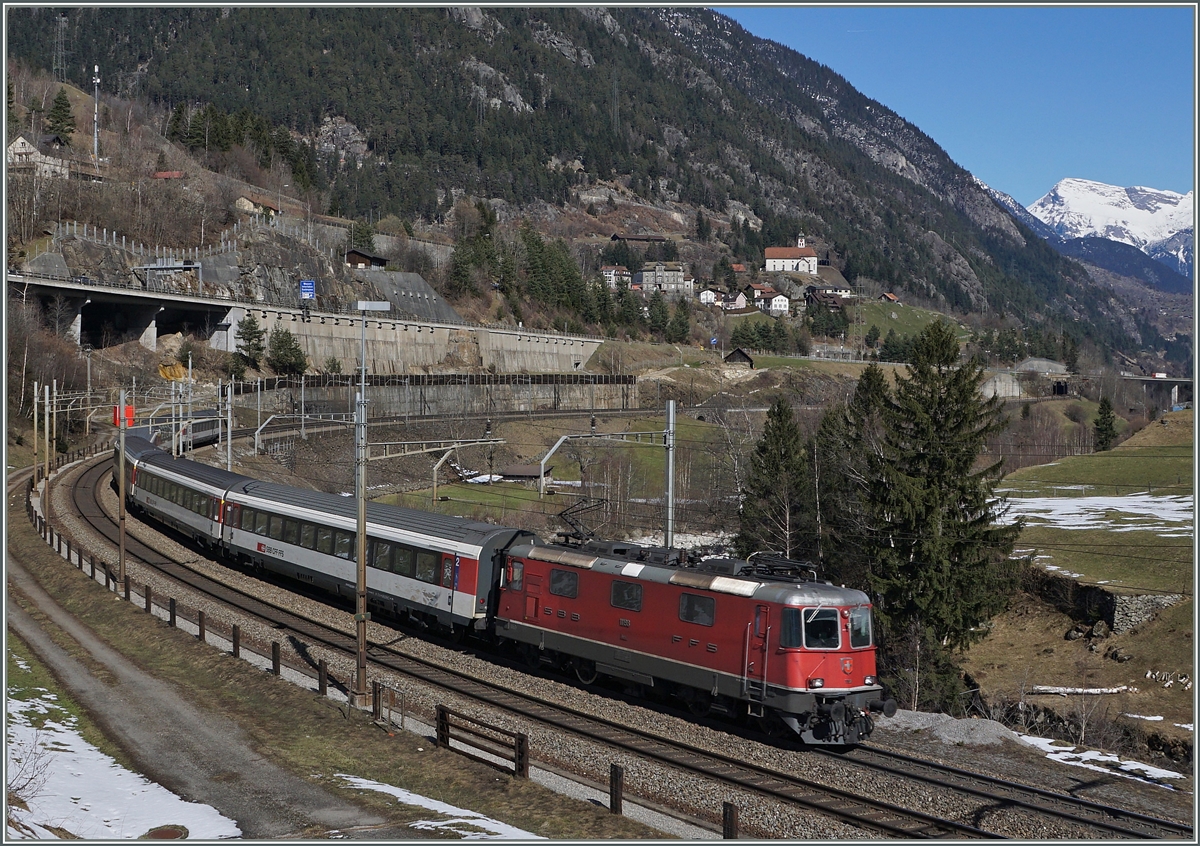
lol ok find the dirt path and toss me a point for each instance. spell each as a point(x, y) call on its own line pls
point(200, 756)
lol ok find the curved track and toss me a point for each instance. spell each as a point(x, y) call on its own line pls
point(863, 812)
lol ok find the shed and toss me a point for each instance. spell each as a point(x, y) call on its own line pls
point(362, 259)
point(525, 473)
point(740, 357)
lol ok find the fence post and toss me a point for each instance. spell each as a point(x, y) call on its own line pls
point(200, 625)
point(237, 641)
point(729, 821)
point(275, 657)
point(126, 587)
point(443, 726)
point(148, 604)
point(92, 563)
point(616, 788)
point(376, 700)
point(171, 609)
point(322, 677)
point(521, 759)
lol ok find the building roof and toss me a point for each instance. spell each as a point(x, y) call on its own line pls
point(740, 355)
point(789, 252)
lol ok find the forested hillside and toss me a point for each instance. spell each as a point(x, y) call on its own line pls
point(519, 107)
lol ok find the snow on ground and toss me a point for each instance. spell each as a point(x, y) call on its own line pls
point(1169, 516)
point(468, 825)
point(80, 790)
point(1101, 762)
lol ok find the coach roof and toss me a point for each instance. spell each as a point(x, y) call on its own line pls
point(393, 516)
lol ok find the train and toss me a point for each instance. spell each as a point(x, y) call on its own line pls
point(762, 640)
point(201, 428)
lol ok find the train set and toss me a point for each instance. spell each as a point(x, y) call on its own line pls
point(763, 639)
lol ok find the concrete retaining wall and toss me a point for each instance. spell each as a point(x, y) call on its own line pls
point(399, 347)
point(447, 395)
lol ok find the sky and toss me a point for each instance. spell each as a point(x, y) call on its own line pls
point(1021, 97)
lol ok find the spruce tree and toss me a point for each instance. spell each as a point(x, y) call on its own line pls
point(1105, 426)
point(774, 516)
point(250, 340)
point(941, 554)
point(60, 120)
point(284, 354)
point(658, 313)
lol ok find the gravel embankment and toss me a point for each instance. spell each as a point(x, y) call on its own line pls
point(971, 744)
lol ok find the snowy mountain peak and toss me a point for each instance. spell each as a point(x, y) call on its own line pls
point(1157, 222)
point(1079, 208)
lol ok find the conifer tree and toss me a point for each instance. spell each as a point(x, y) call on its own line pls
point(284, 354)
point(941, 563)
point(250, 340)
point(774, 516)
point(1105, 426)
point(60, 120)
point(680, 326)
point(658, 313)
point(13, 126)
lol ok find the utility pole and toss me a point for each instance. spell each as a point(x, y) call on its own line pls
point(191, 420)
point(361, 616)
point(35, 431)
point(46, 421)
point(121, 493)
point(96, 118)
point(669, 437)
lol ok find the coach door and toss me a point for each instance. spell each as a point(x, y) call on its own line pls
point(533, 596)
point(758, 632)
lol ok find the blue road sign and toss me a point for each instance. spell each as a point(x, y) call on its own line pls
point(308, 289)
point(713, 342)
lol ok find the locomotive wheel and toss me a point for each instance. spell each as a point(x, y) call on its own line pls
point(585, 670)
point(531, 655)
point(700, 704)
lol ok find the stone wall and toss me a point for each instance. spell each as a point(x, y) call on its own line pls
point(1091, 603)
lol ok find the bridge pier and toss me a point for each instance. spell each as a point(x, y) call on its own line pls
point(147, 318)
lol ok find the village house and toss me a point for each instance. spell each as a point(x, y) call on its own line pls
point(709, 296)
point(797, 259)
point(819, 296)
point(615, 275)
point(734, 302)
point(776, 305)
point(890, 298)
point(758, 290)
point(666, 277)
point(25, 156)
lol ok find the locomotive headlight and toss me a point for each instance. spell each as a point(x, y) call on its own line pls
point(868, 680)
point(816, 683)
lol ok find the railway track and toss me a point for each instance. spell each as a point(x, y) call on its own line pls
point(862, 812)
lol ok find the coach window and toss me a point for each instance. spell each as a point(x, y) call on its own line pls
point(246, 522)
point(402, 561)
point(325, 540)
point(381, 555)
point(821, 628)
point(343, 544)
point(308, 536)
point(448, 571)
point(261, 521)
point(276, 532)
point(627, 595)
point(427, 566)
point(697, 609)
point(860, 627)
point(291, 531)
point(516, 575)
point(564, 583)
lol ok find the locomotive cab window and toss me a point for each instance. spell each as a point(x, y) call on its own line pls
point(860, 627)
point(626, 595)
point(564, 583)
point(697, 609)
point(516, 575)
point(820, 628)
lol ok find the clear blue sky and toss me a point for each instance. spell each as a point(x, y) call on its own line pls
point(1020, 96)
